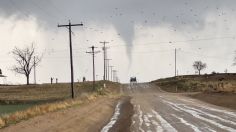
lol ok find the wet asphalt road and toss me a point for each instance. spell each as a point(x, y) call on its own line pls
point(155, 110)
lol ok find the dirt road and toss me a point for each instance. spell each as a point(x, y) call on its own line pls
point(155, 110)
point(90, 117)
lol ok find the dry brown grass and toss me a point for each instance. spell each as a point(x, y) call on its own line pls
point(36, 92)
point(42, 109)
point(48, 92)
point(2, 123)
point(205, 83)
point(45, 91)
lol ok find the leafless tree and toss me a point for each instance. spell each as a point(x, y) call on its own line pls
point(199, 65)
point(26, 58)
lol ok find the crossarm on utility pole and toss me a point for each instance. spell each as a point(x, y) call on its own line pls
point(70, 25)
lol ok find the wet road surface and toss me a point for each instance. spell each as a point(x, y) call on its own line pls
point(155, 110)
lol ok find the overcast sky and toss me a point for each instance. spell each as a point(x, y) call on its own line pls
point(142, 34)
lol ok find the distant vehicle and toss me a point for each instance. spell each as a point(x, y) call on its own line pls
point(133, 80)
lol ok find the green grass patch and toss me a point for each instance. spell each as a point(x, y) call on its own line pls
point(11, 108)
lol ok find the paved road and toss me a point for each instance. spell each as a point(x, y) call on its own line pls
point(155, 110)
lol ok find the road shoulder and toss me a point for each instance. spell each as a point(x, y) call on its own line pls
point(91, 116)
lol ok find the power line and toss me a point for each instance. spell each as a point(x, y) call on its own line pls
point(205, 56)
point(172, 42)
point(71, 55)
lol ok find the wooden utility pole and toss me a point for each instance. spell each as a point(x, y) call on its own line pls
point(71, 55)
point(115, 75)
point(104, 54)
point(107, 69)
point(93, 54)
point(111, 72)
point(175, 62)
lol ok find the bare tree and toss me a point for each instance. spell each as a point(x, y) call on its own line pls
point(199, 65)
point(26, 59)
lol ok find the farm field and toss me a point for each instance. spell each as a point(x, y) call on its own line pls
point(17, 98)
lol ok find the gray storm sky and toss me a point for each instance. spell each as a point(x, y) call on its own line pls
point(142, 36)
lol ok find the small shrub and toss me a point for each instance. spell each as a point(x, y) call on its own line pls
point(213, 72)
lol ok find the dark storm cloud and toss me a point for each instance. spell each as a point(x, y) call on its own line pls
point(120, 13)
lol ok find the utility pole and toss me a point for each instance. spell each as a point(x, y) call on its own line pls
point(104, 54)
point(34, 71)
point(175, 62)
point(115, 75)
point(111, 72)
point(107, 68)
point(51, 80)
point(93, 54)
point(175, 71)
point(71, 55)
point(117, 78)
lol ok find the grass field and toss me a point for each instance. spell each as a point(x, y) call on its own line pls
point(15, 98)
point(23, 102)
point(193, 83)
